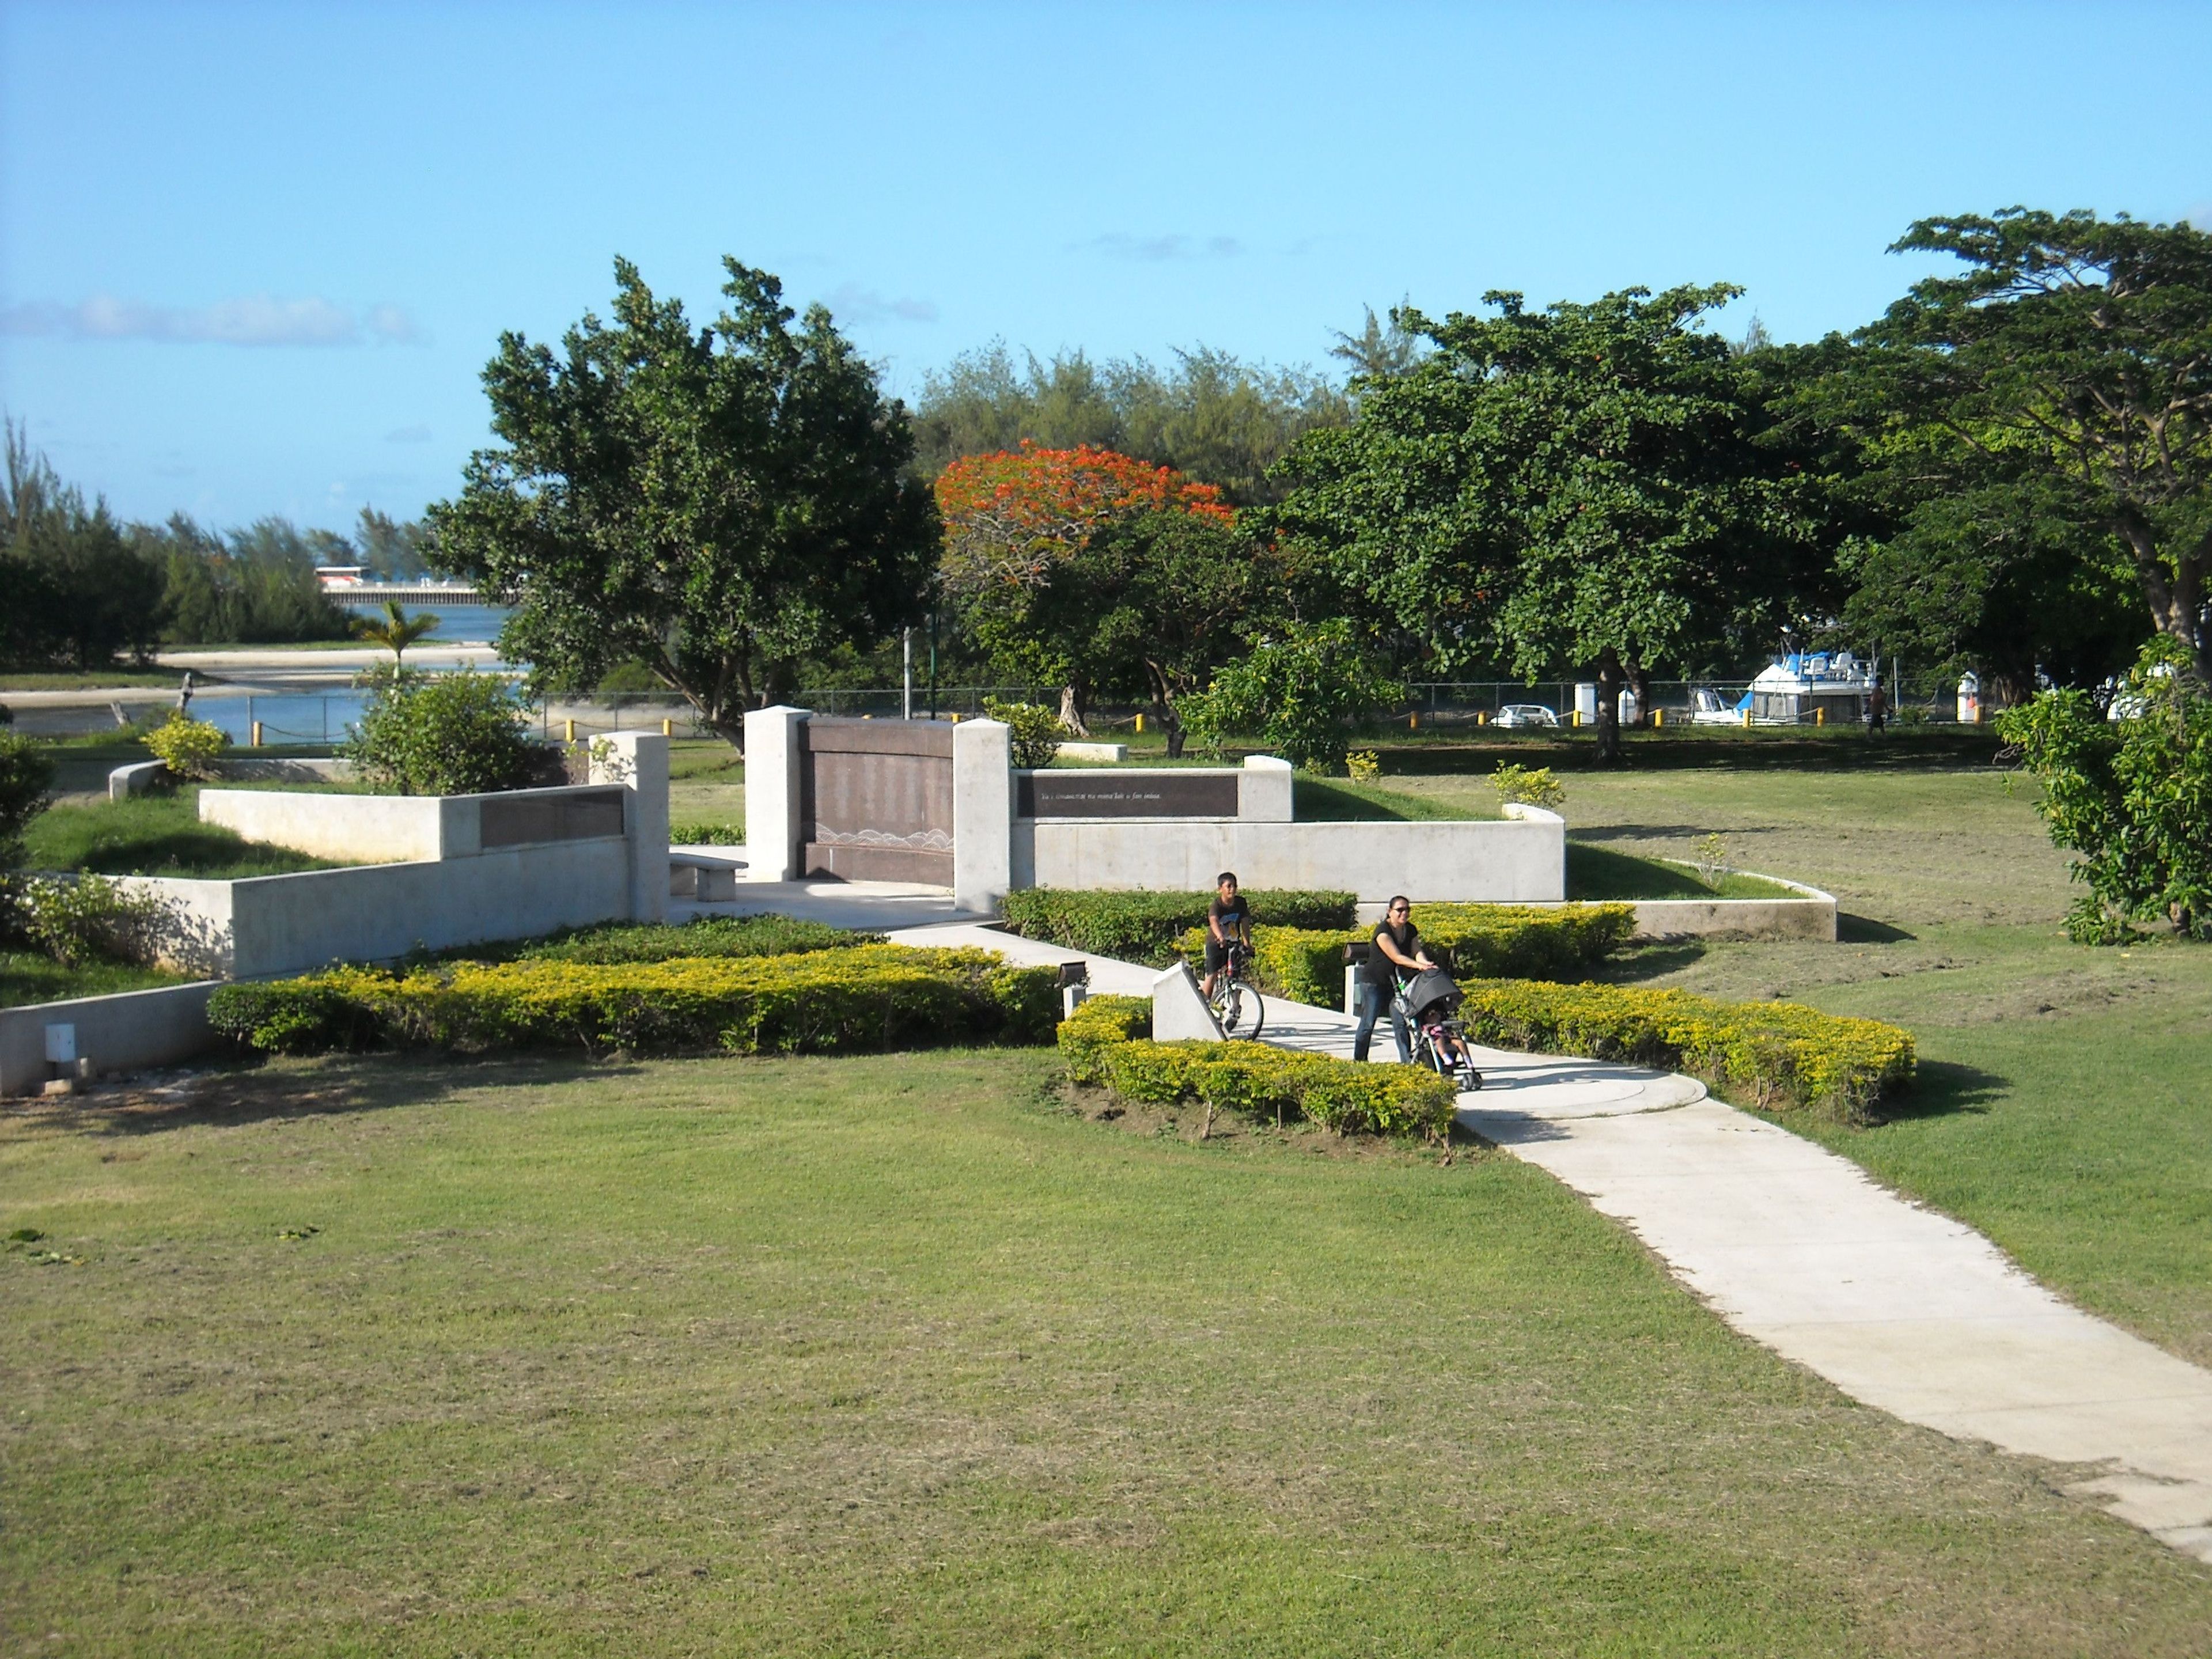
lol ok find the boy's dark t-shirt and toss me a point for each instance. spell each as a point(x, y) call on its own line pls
point(1405, 939)
point(1230, 914)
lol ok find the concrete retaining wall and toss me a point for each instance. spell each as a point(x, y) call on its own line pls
point(1811, 915)
point(143, 775)
point(359, 829)
point(445, 888)
point(128, 1031)
point(1521, 860)
point(272, 925)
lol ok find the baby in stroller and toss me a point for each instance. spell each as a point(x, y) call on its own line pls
point(1430, 1002)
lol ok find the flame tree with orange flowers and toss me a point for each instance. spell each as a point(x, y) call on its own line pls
point(1095, 572)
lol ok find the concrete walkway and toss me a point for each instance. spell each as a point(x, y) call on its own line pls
point(1902, 1309)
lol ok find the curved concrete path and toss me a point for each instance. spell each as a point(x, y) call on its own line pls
point(1900, 1307)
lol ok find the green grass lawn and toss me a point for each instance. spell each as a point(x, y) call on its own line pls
point(2065, 1107)
point(901, 1356)
point(155, 834)
point(27, 977)
point(706, 782)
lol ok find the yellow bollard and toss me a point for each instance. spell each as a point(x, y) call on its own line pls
point(257, 734)
point(1578, 717)
point(1658, 718)
point(571, 730)
point(1746, 720)
point(667, 727)
point(1820, 715)
point(1140, 725)
point(1481, 717)
point(1413, 720)
point(955, 718)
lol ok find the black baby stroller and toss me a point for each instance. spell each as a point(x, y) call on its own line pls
point(1429, 1002)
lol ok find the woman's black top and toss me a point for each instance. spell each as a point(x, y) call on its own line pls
point(1381, 970)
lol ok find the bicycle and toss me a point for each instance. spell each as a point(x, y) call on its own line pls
point(1236, 1006)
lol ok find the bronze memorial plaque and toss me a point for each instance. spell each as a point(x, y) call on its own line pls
point(1105, 795)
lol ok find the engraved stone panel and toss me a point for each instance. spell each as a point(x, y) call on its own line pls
point(1126, 796)
point(513, 820)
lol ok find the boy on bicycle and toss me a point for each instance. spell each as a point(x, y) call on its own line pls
point(1228, 922)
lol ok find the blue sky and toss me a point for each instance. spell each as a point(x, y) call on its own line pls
point(252, 258)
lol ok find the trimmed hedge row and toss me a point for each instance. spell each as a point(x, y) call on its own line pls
point(1776, 1052)
point(1487, 941)
point(872, 998)
point(1106, 1042)
point(764, 935)
point(1144, 926)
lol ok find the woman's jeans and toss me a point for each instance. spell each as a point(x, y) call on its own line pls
point(1373, 1001)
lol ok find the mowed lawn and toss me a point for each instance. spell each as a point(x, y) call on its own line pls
point(901, 1355)
point(2066, 1102)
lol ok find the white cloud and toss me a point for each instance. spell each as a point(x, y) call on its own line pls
point(257, 319)
point(408, 434)
point(853, 304)
point(1120, 245)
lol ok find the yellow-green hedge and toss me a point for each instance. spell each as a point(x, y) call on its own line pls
point(1765, 1053)
point(1489, 941)
point(1105, 1041)
point(867, 998)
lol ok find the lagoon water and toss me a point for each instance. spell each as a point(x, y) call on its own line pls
point(457, 624)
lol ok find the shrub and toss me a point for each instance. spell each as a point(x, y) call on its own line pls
point(874, 998)
point(1537, 786)
point(186, 746)
point(1144, 926)
point(1035, 731)
point(440, 734)
point(1300, 693)
point(2133, 796)
point(1494, 941)
point(1103, 1043)
point(1778, 1053)
point(26, 774)
point(707, 834)
point(88, 918)
point(728, 936)
point(1363, 766)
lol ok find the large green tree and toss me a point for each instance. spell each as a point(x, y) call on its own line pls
point(2075, 352)
point(1582, 487)
point(718, 503)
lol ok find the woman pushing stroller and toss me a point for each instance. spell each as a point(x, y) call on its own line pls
point(1402, 977)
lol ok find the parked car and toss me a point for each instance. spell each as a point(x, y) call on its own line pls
point(1519, 716)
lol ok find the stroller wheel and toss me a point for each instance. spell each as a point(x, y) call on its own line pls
point(1469, 1078)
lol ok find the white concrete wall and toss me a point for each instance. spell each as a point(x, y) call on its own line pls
point(1264, 790)
point(772, 826)
point(358, 828)
point(1515, 860)
point(638, 761)
point(125, 1032)
point(272, 925)
point(982, 810)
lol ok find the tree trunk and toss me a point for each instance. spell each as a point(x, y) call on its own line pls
point(1172, 725)
point(1611, 678)
point(2177, 604)
point(1070, 712)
